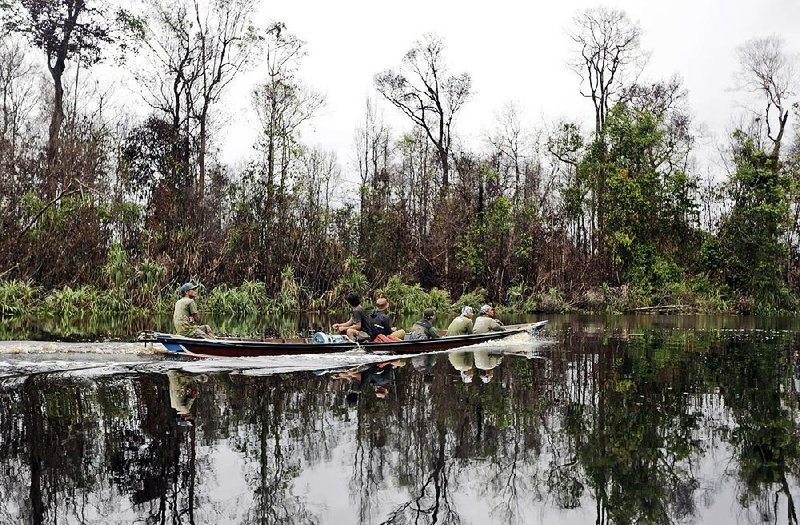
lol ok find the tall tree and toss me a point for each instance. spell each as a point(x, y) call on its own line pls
point(515, 147)
point(65, 30)
point(423, 90)
point(752, 237)
point(769, 71)
point(372, 160)
point(17, 102)
point(608, 57)
point(608, 45)
point(226, 41)
point(195, 50)
point(752, 255)
point(283, 104)
point(167, 76)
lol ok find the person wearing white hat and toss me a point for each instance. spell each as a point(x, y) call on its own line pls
point(486, 321)
point(462, 325)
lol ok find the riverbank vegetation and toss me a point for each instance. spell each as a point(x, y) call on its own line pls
point(106, 211)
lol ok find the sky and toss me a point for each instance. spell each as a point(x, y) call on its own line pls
point(514, 51)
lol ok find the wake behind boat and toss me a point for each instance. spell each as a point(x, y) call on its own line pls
point(235, 347)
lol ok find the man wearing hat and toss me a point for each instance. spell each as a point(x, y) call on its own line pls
point(486, 321)
point(462, 325)
point(423, 329)
point(186, 317)
point(381, 322)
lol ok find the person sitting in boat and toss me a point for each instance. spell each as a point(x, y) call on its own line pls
point(186, 317)
point(381, 322)
point(486, 321)
point(357, 328)
point(423, 329)
point(462, 325)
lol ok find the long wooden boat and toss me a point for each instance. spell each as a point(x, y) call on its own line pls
point(231, 347)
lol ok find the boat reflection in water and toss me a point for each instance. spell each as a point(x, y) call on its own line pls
point(662, 427)
point(481, 360)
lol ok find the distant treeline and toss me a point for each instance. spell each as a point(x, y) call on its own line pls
point(546, 216)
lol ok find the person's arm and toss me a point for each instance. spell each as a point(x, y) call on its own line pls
point(432, 333)
point(343, 326)
point(497, 326)
point(194, 313)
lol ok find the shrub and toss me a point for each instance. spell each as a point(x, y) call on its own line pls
point(553, 301)
point(17, 297)
point(250, 298)
point(413, 299)
point(289, 295)
point(476, 298)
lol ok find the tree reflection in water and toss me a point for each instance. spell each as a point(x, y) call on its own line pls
point(648, 428)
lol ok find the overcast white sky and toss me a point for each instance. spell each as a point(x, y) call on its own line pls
point(515, 51)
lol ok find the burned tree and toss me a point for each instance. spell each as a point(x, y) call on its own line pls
point(767, 70)
point(65, 30)
point(423, 90)
point(608, 45)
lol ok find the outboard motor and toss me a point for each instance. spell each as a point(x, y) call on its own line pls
point(321, 338)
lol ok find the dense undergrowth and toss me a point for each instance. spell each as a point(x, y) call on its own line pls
point(131, 296)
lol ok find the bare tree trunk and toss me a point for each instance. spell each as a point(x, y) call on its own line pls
point(56, 119)
point(201, 160)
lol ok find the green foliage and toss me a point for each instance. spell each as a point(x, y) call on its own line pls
point(751, 253)
point(139, 283)
point(82, 302)
point(553, 301)
point(249, 298)
point(484, 246)
point(18, 297)
point(352, 279)
point(651, 274)
point(412, 299)
point(476, 298)
point(519, 299)
point(646, 203)
point(288, 299)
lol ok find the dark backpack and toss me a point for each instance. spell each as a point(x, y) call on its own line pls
point(379, 324)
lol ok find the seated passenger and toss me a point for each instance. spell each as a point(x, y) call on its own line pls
point(357, 328)
point(381, 322)
point(186, 316)
point(423, 329)
point(462, 325)
point(486, 321)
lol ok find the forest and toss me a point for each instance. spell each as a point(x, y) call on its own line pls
point(110, 209)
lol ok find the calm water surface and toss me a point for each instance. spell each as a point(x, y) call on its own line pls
point(656, 419)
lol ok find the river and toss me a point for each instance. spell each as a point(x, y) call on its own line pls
point(624, 419)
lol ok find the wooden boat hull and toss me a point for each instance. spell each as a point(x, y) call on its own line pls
point(190, 347)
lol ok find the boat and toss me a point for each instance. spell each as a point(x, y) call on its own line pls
point(236, 347)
